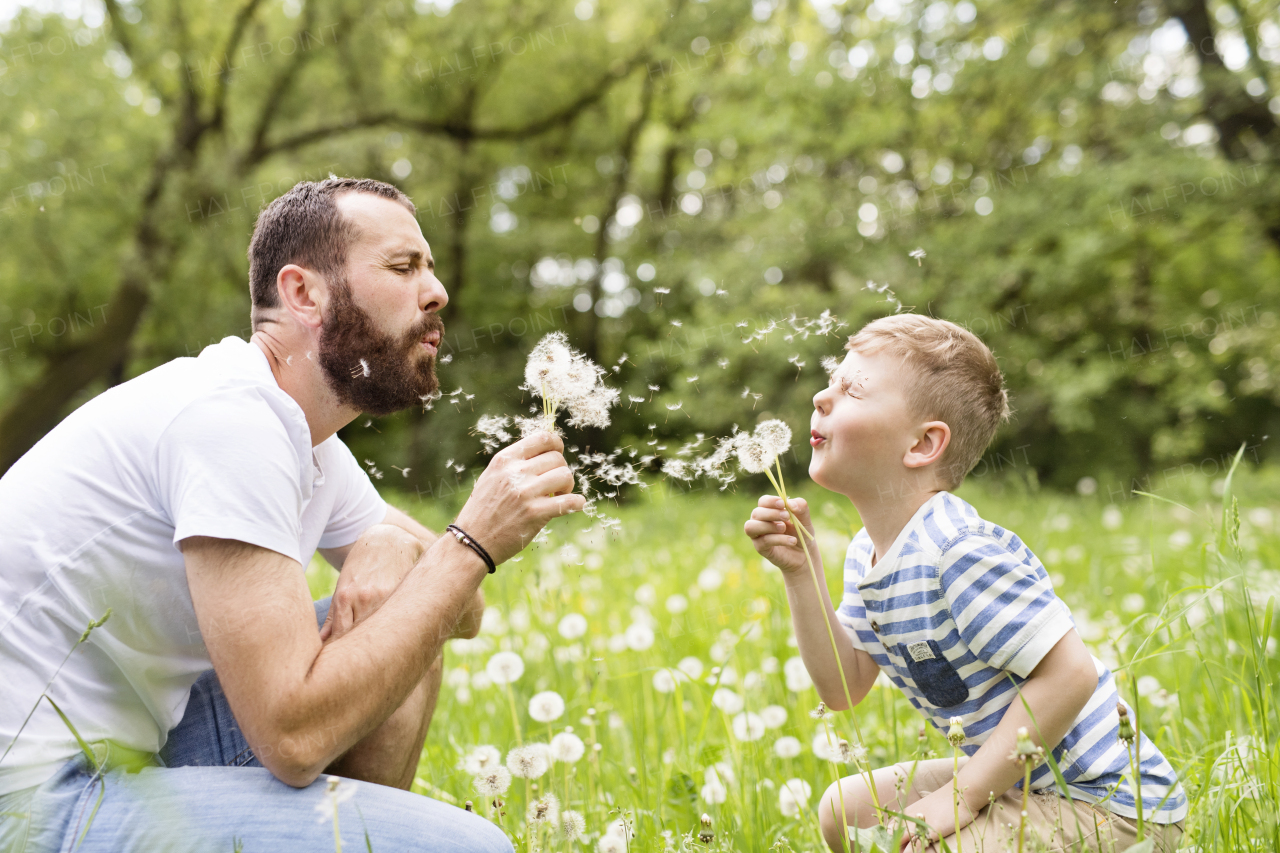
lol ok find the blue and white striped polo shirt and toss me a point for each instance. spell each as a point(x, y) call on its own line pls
point(955, 605)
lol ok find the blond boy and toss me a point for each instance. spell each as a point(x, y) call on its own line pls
point(955, 610)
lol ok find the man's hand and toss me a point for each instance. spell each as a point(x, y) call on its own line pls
point(372, 570)
point(774, 536)
point(527, 484)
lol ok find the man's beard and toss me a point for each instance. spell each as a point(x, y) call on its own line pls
point(370, 370)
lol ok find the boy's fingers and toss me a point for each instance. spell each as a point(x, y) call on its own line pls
point(768, 500)
point(777, 540)
point(755, 529)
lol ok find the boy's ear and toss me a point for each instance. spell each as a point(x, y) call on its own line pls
point(931, 443)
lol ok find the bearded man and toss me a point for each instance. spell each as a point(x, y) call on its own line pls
point(186, 503)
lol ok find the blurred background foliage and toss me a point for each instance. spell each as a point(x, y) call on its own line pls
point(1093, 186)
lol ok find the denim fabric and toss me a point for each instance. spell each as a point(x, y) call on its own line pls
point(208, 792)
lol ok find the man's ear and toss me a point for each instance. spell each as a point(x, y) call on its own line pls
point(931, 443)
point(301, 294)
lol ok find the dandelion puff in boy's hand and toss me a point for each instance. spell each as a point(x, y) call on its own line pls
point(753, 457)
point(546, 706)
point(774, 436)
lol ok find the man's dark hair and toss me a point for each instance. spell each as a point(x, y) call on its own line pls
point(305, 227)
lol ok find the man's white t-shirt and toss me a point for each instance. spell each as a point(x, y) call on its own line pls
point(91, 516)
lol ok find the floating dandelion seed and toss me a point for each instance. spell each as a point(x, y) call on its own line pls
point(361, 369)
point(289, 361)
point(918, 254)
point(720, 292)
point(724, 363)
point(446, 359)
point(652, 389)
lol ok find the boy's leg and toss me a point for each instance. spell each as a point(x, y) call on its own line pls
point(897, 787)
point(1055, 823)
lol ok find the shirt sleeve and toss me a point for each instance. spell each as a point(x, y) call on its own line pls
point(1003, 604)
point(358, 506)
point(227, 468)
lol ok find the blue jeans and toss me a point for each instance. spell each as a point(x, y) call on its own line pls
point(207, 791)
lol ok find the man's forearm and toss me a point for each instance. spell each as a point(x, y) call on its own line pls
point(359, 680)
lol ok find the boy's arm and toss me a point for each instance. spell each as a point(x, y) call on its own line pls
point(775, 539)
point(1056, 692)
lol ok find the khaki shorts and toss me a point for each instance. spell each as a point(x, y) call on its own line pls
point(1054, 823)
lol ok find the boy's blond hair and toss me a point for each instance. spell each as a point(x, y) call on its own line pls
point(955, 380)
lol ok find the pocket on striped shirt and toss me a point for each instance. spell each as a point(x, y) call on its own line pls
point(934, 674)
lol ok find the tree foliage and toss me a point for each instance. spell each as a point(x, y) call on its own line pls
point(1094, 193)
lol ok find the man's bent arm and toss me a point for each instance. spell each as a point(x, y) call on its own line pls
point(302, 704)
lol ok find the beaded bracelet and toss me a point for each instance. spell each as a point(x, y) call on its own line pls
point(466, 539)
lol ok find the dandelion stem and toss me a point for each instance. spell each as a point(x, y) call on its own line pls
point(515, 717)
point(835, 650)
point(955, 793)
point(1026, 792)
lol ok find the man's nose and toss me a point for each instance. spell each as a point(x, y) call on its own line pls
point(432, 295)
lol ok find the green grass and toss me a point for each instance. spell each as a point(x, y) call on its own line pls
point(1162, 593)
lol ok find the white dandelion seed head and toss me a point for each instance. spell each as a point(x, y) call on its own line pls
point(481, 759)
point(525, 762)
point(774, 436)
point(748, 726)
point(492, 782)
point(546, 706)
point(621, 828)
point(753, 457)
point(727, 700)
point(793, 795)
point(664, 680)
point(547, 363)
point(787, 747)
point(797, 677)
point(567, 748)
point(545, 809)
point(504, 667)
point(572, 626)
point(691, 667)
point(611, 844)
point(824, 746)
point(714, 792)
point(638, 636)
point(592, 409)
point(573, 826)
point(774, 716)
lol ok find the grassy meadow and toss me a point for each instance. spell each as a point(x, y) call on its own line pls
point(671, 646)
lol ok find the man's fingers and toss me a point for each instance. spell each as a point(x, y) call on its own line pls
point(544, 462)
point(531, 446)
point(561, 505)
point(555, 482)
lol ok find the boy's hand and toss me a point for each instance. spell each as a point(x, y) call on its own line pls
point(775, 538)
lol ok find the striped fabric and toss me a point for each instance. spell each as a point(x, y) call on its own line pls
point(955, 606)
